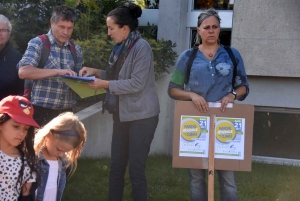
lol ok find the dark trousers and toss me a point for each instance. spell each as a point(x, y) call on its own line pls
point(130, 143)
point(43, 115)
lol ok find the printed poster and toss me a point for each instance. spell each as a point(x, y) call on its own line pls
point(229, 138)
point(194, 136)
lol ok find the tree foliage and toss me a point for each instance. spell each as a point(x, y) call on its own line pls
point(29, 17)
point(96, 50)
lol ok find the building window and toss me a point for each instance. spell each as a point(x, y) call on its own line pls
point(276, 135)
point(225, 37)
point(217, 4)
point(147, 4)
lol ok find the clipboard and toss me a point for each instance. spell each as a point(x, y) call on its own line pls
point(80, 85)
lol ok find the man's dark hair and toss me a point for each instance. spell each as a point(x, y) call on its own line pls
point(64, 13)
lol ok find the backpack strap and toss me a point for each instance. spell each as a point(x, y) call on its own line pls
point(73, 51)
point(232, 57)
point(190, 63)
point(46, 50)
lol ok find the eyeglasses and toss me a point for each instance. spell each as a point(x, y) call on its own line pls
point(4, 31)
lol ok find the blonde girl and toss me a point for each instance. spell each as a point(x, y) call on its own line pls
point(17, 157)
point(58, 145)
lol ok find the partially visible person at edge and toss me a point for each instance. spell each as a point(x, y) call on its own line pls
point(49, 95)
point(57, 145)
point(10, 83)
point(130, 75)
point(210, 81)
point(17, 157)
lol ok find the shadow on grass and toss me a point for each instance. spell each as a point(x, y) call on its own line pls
point(264, 183)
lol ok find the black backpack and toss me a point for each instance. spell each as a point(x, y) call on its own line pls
point(192, 57)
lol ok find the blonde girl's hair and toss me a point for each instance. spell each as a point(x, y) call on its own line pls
point(63, 122)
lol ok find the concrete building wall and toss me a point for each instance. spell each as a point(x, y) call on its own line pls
point(268, 39)
point(99, 131)
point(268, 36)
point(274, 92)
point(171, 26)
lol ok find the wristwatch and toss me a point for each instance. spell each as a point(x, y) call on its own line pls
point(234, 93)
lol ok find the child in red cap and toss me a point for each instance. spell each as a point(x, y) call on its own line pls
point(17, 156)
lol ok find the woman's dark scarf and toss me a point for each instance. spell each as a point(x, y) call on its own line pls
point(121, 51)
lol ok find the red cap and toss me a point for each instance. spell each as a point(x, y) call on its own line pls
point(19, 109)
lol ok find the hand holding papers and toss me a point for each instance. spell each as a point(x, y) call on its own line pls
point(80, 85)
point(217, 105)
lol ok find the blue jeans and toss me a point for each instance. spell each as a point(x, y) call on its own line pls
point(198, 190)
point(130, 143)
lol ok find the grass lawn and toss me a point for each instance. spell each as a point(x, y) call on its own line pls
point(264, 183)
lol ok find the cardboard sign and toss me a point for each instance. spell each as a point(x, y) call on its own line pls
point(238, 116)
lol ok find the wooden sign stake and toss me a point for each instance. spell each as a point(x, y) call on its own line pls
point(211, 159)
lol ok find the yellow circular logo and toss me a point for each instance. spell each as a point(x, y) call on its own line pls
point(225, 131)
point(190, 129)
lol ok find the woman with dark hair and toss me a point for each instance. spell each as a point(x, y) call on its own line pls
point(129, 79)
point(17, 156)
point(211, 79)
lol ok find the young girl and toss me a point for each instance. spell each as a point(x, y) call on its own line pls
point(58, 145)
point(17, 157)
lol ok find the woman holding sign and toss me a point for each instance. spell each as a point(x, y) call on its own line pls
point(215, 74)
point(131, 98)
